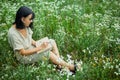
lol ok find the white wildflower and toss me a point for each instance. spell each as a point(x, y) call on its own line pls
point(95, 58)
point(116, 60)
point(117, 66)
point(68, 56)
point(118, 70)
point(49, 79)
point(37, 77)
point(111, 66)
point(116, 73)
point(84, 50)
point(62, 57)
point(103, 56)
point(118, 41)
point(89, 52)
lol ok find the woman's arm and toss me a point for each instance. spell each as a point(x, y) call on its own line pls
point(34, 50)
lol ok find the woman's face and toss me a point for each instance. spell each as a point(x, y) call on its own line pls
point(27, 20)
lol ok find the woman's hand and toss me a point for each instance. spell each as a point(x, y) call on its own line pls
point(43, 45)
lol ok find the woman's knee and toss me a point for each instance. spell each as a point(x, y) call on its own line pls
point(51, 54)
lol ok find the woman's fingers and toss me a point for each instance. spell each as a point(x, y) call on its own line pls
point(45, 44)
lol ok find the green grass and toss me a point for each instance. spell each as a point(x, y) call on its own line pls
point(87, 30)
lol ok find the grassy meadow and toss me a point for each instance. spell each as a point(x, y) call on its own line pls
point(86, 31)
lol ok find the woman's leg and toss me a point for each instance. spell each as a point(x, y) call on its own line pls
point(55, 48)
point(55, 60)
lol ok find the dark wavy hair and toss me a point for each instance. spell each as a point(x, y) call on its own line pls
point(23, 11)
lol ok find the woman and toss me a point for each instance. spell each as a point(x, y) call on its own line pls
point(28, 50)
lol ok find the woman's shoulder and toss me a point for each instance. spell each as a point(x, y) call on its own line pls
point(12, 30)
